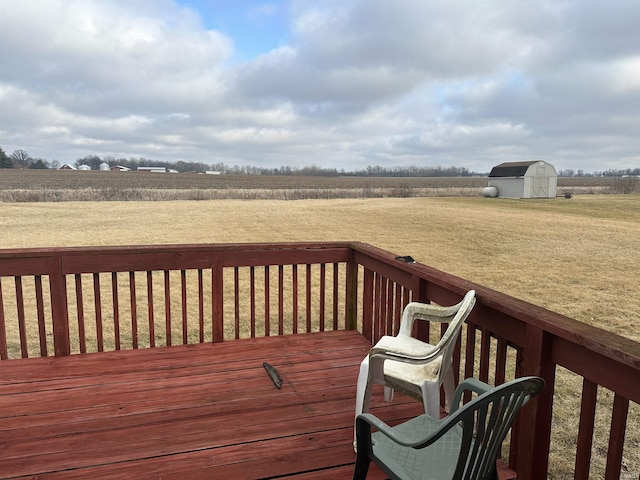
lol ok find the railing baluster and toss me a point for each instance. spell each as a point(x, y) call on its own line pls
point(200, 306)
point(585, 429)
point(485, 355)
point(151, 315)
point(513, 447)
point(469, 355)
point(116, 309)
point(167, 307)
point(323, 289)
point(21, 317)
point(351, 296)
point(456, 360)
point(398, 304)
point(280, 299)
point(377, 308)
point(4, 352)
point(236, 295)
point(335, 294)
point(82, 338)
point(252, 291)
point(42, 331)
point(368, 305)
point(294, 294)
point(97, 302)
point(501, 361)
point(616, 437)
point(388, 328)
point(183, 289)
point(267, 302)
point(134, 309)
point(308, 288)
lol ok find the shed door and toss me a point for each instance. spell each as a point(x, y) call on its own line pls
point(540, 187)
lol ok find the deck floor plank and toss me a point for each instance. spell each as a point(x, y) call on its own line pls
point(196, 411)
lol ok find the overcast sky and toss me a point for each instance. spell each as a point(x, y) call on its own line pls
point(333, 83)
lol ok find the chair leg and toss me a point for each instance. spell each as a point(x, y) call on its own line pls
point(449, 385)
point(363, 393)
point(361, 467)
point(363, 389)
point(431, 399)
point(388, 394)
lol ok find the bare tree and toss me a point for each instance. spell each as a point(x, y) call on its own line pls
point(21, 159)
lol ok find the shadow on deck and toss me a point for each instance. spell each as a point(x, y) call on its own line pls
point(193, 411)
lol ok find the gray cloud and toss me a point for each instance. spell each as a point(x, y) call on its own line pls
point(357, 83)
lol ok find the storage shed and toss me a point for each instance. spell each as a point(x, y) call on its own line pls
point(532, 179)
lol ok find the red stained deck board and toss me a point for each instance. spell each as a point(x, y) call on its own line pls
point(203, 411)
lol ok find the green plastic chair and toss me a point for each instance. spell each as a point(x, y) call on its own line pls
point(464, 445)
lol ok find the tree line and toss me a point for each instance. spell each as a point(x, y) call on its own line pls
point(605, 173)
point(21, 159)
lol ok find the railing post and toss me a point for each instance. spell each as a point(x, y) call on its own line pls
point(217, 294)
point(534, 426)
point(59, 309)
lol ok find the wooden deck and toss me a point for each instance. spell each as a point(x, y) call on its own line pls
point(193, 411)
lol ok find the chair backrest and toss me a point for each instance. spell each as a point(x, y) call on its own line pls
point(486, 421)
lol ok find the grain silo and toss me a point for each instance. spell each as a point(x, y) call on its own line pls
point(532, 179)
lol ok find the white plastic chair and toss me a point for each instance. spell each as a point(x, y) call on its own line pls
point(412, 366)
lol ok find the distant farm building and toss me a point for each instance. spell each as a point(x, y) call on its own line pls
point(84, 167)
point(120, 168)
point(152, 169)
point(533, 179)
point(67, 166)
point(104, 167)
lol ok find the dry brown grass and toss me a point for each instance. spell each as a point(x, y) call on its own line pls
point(576, 256)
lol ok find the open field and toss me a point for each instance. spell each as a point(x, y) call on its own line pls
point(61, 185)
point(576, 256)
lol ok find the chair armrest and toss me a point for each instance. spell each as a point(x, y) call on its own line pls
point(365, 421)
point(379, 355)
point(472, 384)
point(424, 311)
point(403, 346)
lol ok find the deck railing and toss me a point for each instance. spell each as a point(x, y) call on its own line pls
point(74, 300)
